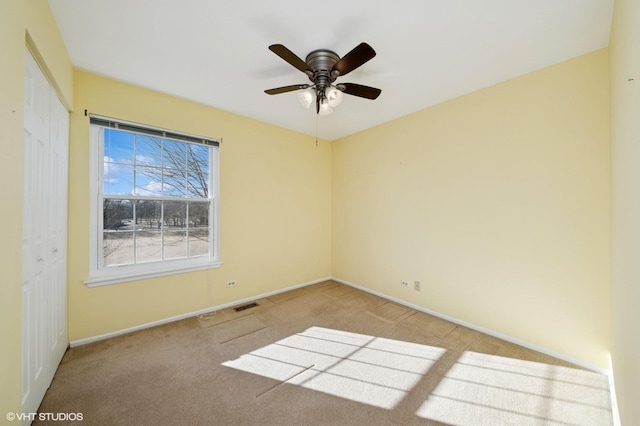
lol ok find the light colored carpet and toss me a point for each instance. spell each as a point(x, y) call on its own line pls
point(326, 354)
point(237, 328)
point(390, 312)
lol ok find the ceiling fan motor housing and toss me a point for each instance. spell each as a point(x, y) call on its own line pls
point(321, 62)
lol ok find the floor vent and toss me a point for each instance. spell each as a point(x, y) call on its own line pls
point(247, 306)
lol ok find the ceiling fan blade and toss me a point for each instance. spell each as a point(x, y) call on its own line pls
point(361, 91)
point(352, 60)
point(289, 56)
point(286, 89)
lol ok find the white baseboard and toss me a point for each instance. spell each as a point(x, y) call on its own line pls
point(505, 337)
point(97, 338)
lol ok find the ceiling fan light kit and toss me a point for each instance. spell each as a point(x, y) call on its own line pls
point(334, 96)
point(325, 108)
point(305, 97)
point(323, 67)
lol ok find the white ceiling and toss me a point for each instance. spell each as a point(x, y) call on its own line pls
point(428, 51)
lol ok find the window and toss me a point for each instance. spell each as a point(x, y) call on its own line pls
point(155, 202)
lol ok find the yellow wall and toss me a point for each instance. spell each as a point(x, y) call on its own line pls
point(16, 19)
point(625, 138)
point(275, 198)
point(497, 201)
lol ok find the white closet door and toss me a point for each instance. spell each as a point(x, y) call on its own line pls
point(44, 235)
point(58, 199)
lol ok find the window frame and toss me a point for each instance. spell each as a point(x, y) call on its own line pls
point(100, 275)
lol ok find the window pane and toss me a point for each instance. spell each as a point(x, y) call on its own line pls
point(148, 230)
point(149, 214)
point(175, 230)
point(199, 242)
point(148, 151)
point(118, 179)
point(175, 244)
point(199, 214)
point(118, 160)
point(174, 183)
point(148, 245)
point(118, 146)
point(174, 155)
point(198, 176)
point(148, 181)
point(117, 247)
point(117, 232)
point(198, 229)
point(197, 184)
point(117, 214)
point(198, 158)
point(175, 214)
point(175, 169)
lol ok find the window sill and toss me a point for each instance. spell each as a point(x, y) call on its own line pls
point(115, 276)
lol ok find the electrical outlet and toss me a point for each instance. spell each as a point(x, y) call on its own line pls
point(231, 283)
point(405, 283)
point(416, 285)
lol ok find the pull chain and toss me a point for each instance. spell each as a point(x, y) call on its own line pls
point(316, 129)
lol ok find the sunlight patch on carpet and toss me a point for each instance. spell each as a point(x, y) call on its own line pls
point(367, 369)
point(493, 390)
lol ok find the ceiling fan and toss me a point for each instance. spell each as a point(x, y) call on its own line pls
point(323, 67)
